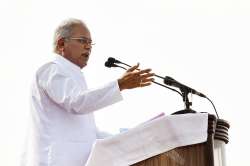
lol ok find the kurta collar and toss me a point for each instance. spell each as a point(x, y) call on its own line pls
point(61, 60)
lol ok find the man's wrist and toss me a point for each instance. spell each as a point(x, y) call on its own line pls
point(120, 84)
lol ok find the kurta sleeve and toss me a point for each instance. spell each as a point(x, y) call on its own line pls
point(67, 93)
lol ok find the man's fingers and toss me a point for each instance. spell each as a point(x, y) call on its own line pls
point(144, 71)
point(147, 80)
point(133, 68)
point(147, 75)
point(134, 79)
point(145, 84)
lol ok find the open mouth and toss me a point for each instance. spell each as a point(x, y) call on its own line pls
point(85, 55)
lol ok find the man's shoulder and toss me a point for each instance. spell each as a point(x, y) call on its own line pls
point(48, 67)
point(49, 70)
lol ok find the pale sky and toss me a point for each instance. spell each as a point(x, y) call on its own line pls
point(201, 43)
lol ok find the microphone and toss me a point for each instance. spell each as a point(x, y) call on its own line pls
point(111, 63)
point(172, 82)
point(113, 60)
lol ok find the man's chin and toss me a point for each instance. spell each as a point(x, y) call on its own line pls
point(83, 65)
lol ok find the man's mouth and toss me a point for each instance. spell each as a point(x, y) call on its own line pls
point(85, 55)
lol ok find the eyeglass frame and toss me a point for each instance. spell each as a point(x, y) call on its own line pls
point(82, 40)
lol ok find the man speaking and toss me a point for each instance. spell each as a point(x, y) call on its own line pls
point(62, 106)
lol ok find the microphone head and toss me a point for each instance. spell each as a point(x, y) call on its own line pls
point(169, 80)
point(110, 64)
point(113, 60)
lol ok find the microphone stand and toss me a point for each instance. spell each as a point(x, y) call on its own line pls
point(186, 101)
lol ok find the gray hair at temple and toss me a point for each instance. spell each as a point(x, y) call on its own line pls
point(64, 30)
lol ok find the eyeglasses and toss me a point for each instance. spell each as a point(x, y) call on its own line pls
point(83, 40)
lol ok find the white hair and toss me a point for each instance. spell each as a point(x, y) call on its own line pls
point(64, 30)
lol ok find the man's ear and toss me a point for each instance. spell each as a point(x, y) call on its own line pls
point(60, 44)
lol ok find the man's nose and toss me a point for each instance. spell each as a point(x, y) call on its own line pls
point(88, 46)
point(87, 49)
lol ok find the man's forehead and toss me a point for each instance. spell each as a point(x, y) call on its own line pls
point(81, 29)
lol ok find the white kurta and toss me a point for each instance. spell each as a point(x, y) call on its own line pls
point(63, 126)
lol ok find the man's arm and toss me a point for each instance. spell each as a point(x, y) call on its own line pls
point(66, 92)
